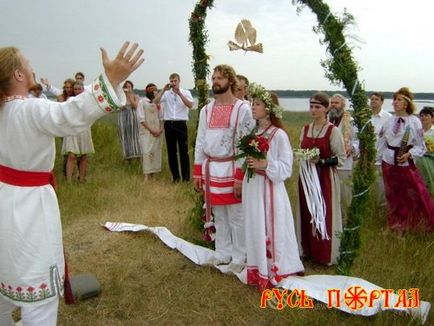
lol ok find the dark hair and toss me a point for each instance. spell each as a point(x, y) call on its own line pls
point(241, 77)
point(322, 98)
point(408, 97)
point(378, 94)
point(150, 85)
point(150, 95)
point(427, 110)
point(130, 83)
point(79, 74)
point(36, 87)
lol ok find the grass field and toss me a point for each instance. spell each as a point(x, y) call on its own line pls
point(144, 282)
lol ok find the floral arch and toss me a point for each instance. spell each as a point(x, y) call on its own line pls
point(340, 69)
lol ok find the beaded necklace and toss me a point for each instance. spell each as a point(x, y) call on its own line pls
point(319, 133)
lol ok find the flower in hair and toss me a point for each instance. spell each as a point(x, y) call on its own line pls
point(257, 91)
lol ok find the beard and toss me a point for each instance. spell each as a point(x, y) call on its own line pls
point(335, 113)
point(150, 96)
point(217, 89)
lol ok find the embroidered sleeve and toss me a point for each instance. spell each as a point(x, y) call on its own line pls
point(419, 148)
point(279, 158)
point(108, 99)
point(199, 155)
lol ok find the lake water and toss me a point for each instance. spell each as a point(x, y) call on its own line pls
point(302, 104)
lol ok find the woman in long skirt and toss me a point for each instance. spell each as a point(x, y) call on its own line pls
point(410, 206)
point(128, 124)
point(321, 242)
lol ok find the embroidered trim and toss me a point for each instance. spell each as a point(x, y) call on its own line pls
point(221, 116)
point(12, 98)
point(31, 294)
point(102, 96)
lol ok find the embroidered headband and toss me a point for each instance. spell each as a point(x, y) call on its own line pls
point(259, 92)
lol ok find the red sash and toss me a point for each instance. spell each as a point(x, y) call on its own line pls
point(26, 178)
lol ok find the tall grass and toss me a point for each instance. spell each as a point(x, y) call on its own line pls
point(144, 282)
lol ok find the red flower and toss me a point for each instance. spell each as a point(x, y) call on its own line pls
point(101, 98)
point(43, 286)
point(19, 289)
point(262, 144)
point(30, 289)
point(96, 87)
point(108, 109)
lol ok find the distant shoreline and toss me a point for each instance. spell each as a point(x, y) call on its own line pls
point(427, 97)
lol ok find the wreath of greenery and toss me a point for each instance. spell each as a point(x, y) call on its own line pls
point(340, 69)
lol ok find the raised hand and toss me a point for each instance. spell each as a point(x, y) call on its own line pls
point(45, 82)
point(127, 60)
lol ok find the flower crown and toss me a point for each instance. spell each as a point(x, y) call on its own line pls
point(259, 92)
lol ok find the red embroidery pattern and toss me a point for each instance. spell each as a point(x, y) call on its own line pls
point(26, 295)
point(220, 116)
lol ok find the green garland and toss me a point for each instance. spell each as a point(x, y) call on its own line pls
point(340, 67)
point(198, 39)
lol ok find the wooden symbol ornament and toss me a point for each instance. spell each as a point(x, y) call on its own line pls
point(245, 37)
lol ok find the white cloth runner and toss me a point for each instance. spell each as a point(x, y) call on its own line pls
point(315, 286)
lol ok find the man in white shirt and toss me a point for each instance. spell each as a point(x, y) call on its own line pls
point(379, 116)
point(176, 104)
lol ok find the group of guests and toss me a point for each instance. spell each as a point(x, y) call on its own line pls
point(142, 122)
point(253, 218)
point(75, 149)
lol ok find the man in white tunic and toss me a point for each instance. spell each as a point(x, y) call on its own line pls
point(342, 119)
point(32, 268)
point(216, 172)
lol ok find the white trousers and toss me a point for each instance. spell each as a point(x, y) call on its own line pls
point(230, 238)
point(41, 315)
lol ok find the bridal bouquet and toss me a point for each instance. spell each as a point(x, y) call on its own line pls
point(308, 154)
point(252, 145)
point(429, 142)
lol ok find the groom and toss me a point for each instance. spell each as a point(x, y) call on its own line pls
point(221, 125)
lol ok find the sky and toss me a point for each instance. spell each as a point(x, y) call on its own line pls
point(395, 47)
